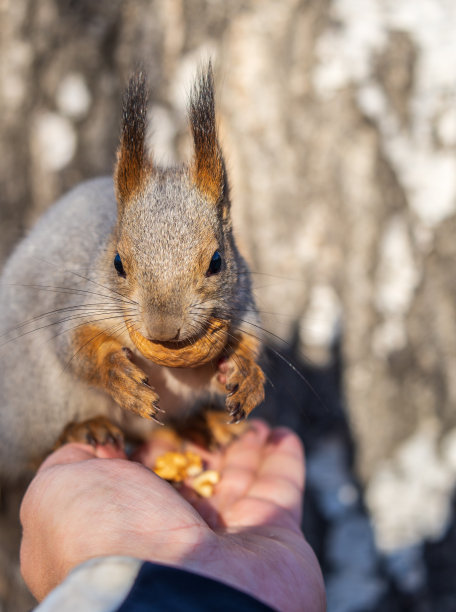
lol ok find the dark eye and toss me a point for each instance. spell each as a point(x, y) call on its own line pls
point(215, 265)
point(119, 266)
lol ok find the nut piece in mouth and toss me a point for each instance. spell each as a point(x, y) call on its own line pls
point(184, 355)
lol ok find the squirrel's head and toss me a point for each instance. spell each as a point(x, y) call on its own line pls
point(174, 254)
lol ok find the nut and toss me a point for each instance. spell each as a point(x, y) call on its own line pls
point(204, 483)
point(176, 467)
point(202, 350)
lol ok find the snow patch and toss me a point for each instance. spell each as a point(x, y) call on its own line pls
point(73, 96)
point(55, 139)
point(409, 497)
point(389, 337)
point(347, 55)
point(397, 275)
point(321, 323)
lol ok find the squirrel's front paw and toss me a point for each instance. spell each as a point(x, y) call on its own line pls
point(244, 382)
point(97, 432)
point(128, 385)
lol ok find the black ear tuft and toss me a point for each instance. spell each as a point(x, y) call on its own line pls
point(208, 170)
point(133, 161)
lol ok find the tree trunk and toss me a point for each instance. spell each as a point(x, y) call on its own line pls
point(339, 128)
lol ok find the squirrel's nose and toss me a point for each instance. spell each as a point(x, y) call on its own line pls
point(164, 328)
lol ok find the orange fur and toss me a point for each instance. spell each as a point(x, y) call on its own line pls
point(98, 430)
point(105, 363)
point(246, 379)
point(131, 173)
point(134, 164)
point(203, 349)
point(208, 171)
point(93, 348)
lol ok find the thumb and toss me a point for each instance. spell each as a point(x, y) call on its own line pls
point(69, 453)
point(75, 452)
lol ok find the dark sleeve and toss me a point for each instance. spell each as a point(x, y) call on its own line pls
point(159, 588)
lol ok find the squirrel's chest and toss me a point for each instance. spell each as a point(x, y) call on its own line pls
point(181, 390)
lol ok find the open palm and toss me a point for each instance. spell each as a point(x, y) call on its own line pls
point(247, 535)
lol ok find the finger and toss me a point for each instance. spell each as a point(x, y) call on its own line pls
point(166, 440)
point(216, 459)
point(236, 465)
point(279, 482)
point(245, 452)
point(66, 455)
point(239, 465)
point(69, 453)
point(161, 442)
point(76, 451)
point(109, 451)
point(283, 458)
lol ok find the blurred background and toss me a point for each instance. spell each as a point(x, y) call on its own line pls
point(338, 123)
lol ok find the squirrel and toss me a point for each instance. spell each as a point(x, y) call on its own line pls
point(129, 299)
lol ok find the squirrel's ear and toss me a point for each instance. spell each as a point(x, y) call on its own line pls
point(208, 168)
point(134, 164)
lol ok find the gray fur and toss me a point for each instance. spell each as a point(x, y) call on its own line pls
point(62, 276)
point(38, 395)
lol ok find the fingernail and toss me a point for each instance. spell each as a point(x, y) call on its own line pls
point(278, 434)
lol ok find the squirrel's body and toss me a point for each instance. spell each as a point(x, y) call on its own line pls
point(112, 260)
point(37, 393)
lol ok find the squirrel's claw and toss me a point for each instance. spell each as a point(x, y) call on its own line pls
point(98, 431)
point(157, 408)
point(155, 405)
point(149, 412)
point(129, 386)
point(238, 414)
point(232, 389)
point(244, 386)
point(153, 414)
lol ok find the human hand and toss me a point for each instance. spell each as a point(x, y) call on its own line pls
point(247, 535)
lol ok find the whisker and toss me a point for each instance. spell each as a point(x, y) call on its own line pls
point(59, 322)
point(111, 331)
point(86, 311)
point(299, 374)
point(68, 291)
point(232, 354)
point(285, 360)
point(89, 280)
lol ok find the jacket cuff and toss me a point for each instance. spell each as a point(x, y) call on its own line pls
point(98, 585)
point(124, 584)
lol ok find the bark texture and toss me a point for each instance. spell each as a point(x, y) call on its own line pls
point(339, 128)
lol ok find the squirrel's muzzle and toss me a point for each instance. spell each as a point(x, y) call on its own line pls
point(184, 354)
point(164, 328)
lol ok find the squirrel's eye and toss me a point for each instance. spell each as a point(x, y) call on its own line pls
point(119, 266)
point(215, 265)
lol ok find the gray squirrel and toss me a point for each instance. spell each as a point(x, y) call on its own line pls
point(128, 300)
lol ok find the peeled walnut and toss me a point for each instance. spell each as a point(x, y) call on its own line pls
point(176, 467)
point(204, 483)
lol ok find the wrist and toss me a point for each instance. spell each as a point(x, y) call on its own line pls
point(258, 563)
point(224, 558)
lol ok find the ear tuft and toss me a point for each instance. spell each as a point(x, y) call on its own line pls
point(208, 169)
point(133, 161)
